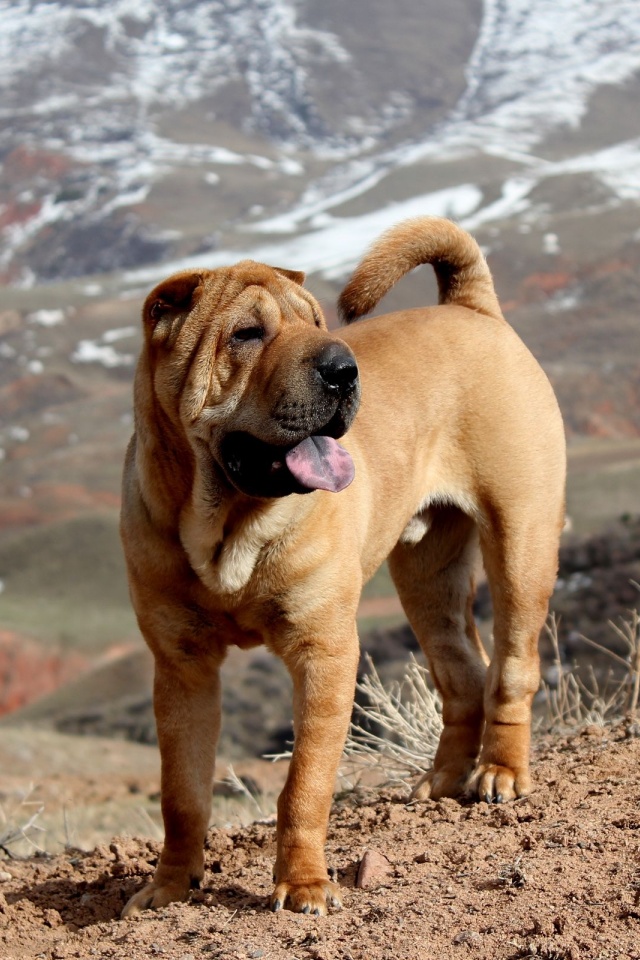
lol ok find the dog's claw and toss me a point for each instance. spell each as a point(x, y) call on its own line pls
point(436, 784)
point(154, 896)
point(311, 898)
point(498, 784)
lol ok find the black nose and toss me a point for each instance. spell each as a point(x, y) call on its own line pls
point(337, 367)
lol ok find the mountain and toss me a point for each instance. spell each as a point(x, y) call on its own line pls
point(134, 133)
point(138, 137)
point(122, 120)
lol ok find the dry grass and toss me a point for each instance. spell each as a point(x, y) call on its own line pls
point(396, 733)
point(579, 696)
point(19, 825)
point(246, 805)
point(398, 728)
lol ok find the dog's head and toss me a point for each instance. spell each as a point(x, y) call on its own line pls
point(242, 365)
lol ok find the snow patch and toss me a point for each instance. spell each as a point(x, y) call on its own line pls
point(47, 318)
point(550, 243)
point(101, 351)
point(564, 300)
point(336, 246)
point(119, 333)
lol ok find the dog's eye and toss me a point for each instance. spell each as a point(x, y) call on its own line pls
point(245, 334)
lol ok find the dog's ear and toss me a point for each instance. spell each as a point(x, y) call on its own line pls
point(169, 303)
point(294, 275)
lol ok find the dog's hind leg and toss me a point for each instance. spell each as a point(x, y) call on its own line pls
point(435, 582)
point(520, 558)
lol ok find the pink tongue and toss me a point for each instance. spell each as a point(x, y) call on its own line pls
point(320, 463)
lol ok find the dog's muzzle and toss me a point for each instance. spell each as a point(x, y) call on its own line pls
point(312, 459)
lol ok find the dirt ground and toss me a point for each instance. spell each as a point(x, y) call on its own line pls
point(554, 876)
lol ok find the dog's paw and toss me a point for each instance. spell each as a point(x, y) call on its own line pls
point(313, 898)
point(497, 784)
point(154, 896)
point(436, 784)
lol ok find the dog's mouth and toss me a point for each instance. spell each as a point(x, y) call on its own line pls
point(261, 469)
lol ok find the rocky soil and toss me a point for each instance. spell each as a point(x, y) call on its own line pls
point(554, 876)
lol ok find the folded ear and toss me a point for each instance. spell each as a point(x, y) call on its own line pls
point(294, 275)
point(170, 303)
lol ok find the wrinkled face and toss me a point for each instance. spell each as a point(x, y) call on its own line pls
point(243, 366)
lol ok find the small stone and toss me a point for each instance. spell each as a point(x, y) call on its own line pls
point(4, 876)
point(593, 732)
point(374, 868)
point(466, 936)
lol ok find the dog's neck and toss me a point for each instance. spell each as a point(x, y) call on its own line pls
point(225, 540)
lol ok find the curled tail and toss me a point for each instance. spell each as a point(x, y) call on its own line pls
point(461, 269)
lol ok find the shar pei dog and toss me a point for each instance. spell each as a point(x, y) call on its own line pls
point(275, 465)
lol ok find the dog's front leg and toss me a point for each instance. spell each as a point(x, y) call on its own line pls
point(324, 675)
point(187, 709)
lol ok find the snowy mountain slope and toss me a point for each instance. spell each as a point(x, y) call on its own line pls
point(154, 54)
point(140, 133)
point(533, 70)
point(107, 99)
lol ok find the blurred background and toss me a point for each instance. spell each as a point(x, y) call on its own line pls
point(141, 137)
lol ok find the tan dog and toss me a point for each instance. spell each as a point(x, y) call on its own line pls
point(240, 396)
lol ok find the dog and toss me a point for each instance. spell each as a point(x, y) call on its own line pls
point(275, 465)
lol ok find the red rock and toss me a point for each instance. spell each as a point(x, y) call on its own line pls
point(374, 868)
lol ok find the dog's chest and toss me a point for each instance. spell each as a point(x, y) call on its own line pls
point(225, 554)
